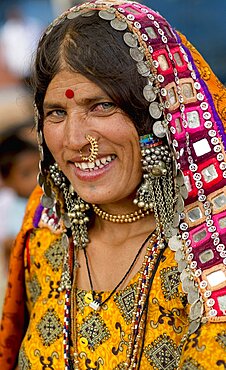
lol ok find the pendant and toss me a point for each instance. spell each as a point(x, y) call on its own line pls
point(95, 305)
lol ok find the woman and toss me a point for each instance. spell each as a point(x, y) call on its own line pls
point(120, 272)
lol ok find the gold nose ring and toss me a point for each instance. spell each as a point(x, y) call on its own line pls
point(93, 149)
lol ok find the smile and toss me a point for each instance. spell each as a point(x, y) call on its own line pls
point(95, 165)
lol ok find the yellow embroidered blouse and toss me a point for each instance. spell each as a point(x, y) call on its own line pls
point(103, 336)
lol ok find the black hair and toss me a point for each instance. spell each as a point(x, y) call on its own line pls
point(90, 46)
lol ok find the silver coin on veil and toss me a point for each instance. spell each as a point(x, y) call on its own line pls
point(149, 93)
point(154, 110)
point(193, 295)
point(136, 54)
point(73, 14)
point(143, 69)
point(194, 325)
point(158, 129)
point(118, 25)
point(130, 39)
point(89, 13)
point(196, 310)
point(108, 16)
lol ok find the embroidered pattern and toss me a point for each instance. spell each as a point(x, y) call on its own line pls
point(34, 288)
point(191, 364)
point(50, 327)
point(54, 255)
point(170, 277)
point(23, 360)
point(162, 354)
point(94, 330)
point(125, 301)
point(221, 339)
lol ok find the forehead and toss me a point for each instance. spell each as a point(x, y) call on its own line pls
point(79, 84)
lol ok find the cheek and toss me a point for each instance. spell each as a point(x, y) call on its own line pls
point(52, 139)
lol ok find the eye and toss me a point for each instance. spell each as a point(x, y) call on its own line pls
point(104, 107)
point(56, 115)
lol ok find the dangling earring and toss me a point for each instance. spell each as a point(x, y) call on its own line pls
point(156, 191)
point(76, 217)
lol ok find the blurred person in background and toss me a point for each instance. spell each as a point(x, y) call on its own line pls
point(18, 171)
point(18, 40)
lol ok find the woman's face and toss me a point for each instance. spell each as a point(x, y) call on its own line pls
point(116, 172)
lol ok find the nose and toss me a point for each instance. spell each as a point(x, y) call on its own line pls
point(75, 132)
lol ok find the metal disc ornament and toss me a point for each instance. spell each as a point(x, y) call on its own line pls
point(184, 191)
point(108, 16)
point(130, 39)
point(65, 241)
point(194, 325)
point(66, 220)
point(73, 15)
point(89, 13)
point(176, 219)
point(154, 110)
point(187, 285)
point(180, 178)
point(193, 295)
point(175, 243)
point(136, 54)
point(40, 179)
point(47, 190)
point(179, 204)
point(149, 93)
point(143, 69)
point(47, 202)
point(158, 129)
point(118, 25)
point(196, 310)
point(182, 264)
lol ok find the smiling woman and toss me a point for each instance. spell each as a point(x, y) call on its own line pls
point(123, 240)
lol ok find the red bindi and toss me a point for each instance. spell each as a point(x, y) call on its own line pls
point(69, 93)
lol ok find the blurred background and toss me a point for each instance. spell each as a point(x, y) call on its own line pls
point(21, 24)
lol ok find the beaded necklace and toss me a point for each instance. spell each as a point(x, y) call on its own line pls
point(95, 304)
point(150, 264)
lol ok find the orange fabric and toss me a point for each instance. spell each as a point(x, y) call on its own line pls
point(13, 319)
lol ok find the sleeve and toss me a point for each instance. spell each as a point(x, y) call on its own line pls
point(14, 313)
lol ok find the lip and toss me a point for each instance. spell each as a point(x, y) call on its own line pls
point(93, 175)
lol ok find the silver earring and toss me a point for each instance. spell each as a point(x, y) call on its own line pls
point(156, 191)
point(76, 208)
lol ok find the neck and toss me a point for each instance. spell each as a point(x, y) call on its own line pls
point(115, 233)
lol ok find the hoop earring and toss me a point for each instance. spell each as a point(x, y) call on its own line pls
point(93, 150)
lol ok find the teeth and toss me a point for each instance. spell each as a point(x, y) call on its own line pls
point(84, 165)
point(98, 163)
point(91, 164)
point(103, 160)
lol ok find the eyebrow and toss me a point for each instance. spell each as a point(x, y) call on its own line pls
point(82, 101)
point(52, 106)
